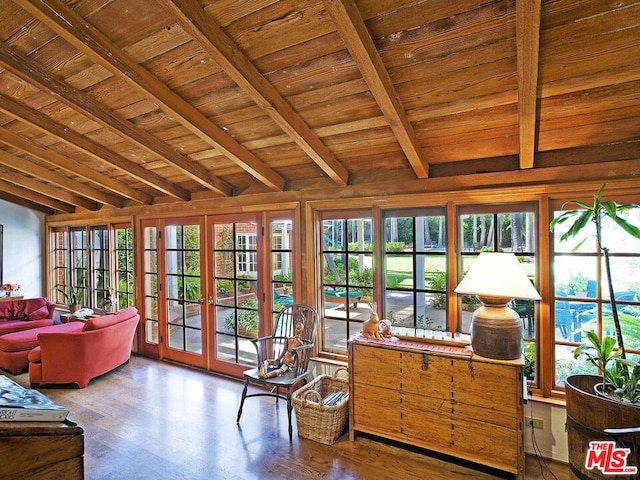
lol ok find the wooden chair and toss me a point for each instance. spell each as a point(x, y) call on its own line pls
point(273, 347)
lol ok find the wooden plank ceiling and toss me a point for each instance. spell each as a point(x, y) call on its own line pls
point(112, 103)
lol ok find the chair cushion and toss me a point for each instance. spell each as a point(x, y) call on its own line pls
point(28, 339)
point(10, 326)
point(102, 322)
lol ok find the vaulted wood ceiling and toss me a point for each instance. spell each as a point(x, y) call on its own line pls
point(111, 103)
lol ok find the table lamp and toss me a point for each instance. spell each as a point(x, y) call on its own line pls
point(496, 278)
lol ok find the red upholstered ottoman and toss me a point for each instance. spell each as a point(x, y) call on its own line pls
point(15, 347)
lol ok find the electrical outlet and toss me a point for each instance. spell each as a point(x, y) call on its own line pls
point(535, 422)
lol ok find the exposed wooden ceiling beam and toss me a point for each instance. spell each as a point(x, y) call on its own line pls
point(69, 165)
point(528, 46)
point(70, 26)
point(77, 141)
point(60, 181)
point(356, 37)
point(23, 202)
point(193, 19)
point(36, 185)
point(36, 197)
point(29, 71)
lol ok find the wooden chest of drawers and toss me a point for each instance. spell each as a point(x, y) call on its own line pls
point(464, 406)
point(42, 450)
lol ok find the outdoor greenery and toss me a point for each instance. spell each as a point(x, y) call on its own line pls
point(247, 317)
point(619, 372)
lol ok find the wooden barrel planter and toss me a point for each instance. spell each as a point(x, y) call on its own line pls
point(587, 416)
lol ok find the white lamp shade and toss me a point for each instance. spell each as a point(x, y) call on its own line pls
point(497, 274)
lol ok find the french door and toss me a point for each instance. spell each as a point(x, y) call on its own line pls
point(210, 288)
point(174, 272)
point(235, 302)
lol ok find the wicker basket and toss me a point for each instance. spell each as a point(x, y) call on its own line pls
point(319, 422)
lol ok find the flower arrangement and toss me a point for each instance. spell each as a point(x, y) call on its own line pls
point(8, 288)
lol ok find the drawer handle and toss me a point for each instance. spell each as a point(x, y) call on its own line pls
point(425, 361)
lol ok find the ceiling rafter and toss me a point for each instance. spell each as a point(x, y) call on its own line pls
point(46, 125)
point(29, 71)
point(26, 203)
point(528, 48)
point(36, 197)
point(69, 165)
point(36, 185)
point(193, 19)
point(70, 26)
point(29, 168)
point(358, 41)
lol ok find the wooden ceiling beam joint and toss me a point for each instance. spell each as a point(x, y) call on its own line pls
point(528, 50)
point(243, 72)
point(358, 41)
point(69, 25)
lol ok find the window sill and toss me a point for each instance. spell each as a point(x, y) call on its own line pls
point(555, 401)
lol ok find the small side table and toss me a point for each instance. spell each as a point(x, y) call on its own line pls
point(68, 317)
point(11, 298)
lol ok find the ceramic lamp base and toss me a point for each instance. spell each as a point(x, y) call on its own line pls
point(496, 332)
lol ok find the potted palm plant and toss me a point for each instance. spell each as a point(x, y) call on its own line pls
point(73, 298)
point(591, 411)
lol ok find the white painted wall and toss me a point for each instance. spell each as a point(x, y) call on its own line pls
point(23, 248)
point(551, 440)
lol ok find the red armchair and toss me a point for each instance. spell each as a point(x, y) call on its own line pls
point(77, 357)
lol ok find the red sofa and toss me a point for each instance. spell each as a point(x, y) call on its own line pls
point(103, 344)
point(18, 315)
point(15, 346)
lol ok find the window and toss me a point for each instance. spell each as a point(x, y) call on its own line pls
point(124, 267)
point(82, 265)
point(237, 306)
point(150, 267)
point(282, 263)
point(501, 228)
point(79, 264)
point(247, 257)
point(415, 270)
point(100, 279)
point(582, 301)
point(347, 278)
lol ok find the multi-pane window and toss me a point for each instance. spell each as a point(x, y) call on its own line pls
point(501, 228)
point(347, 278)
point(282, 263)
point(60, 256)
point(82, 267)
point(123, 294)
point(78, 282)
point(182, 287)
point(415, 270)
point(247, 257)
point(99, 283)
point(236, 281)
point(582, 301)
point(150, 267)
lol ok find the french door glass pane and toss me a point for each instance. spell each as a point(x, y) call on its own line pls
point(183, 289)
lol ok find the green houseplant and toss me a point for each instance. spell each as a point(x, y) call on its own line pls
point(73, 298)
point(616, 369)
point(589, 410)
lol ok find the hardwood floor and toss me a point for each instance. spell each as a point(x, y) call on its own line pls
point(155, 420)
